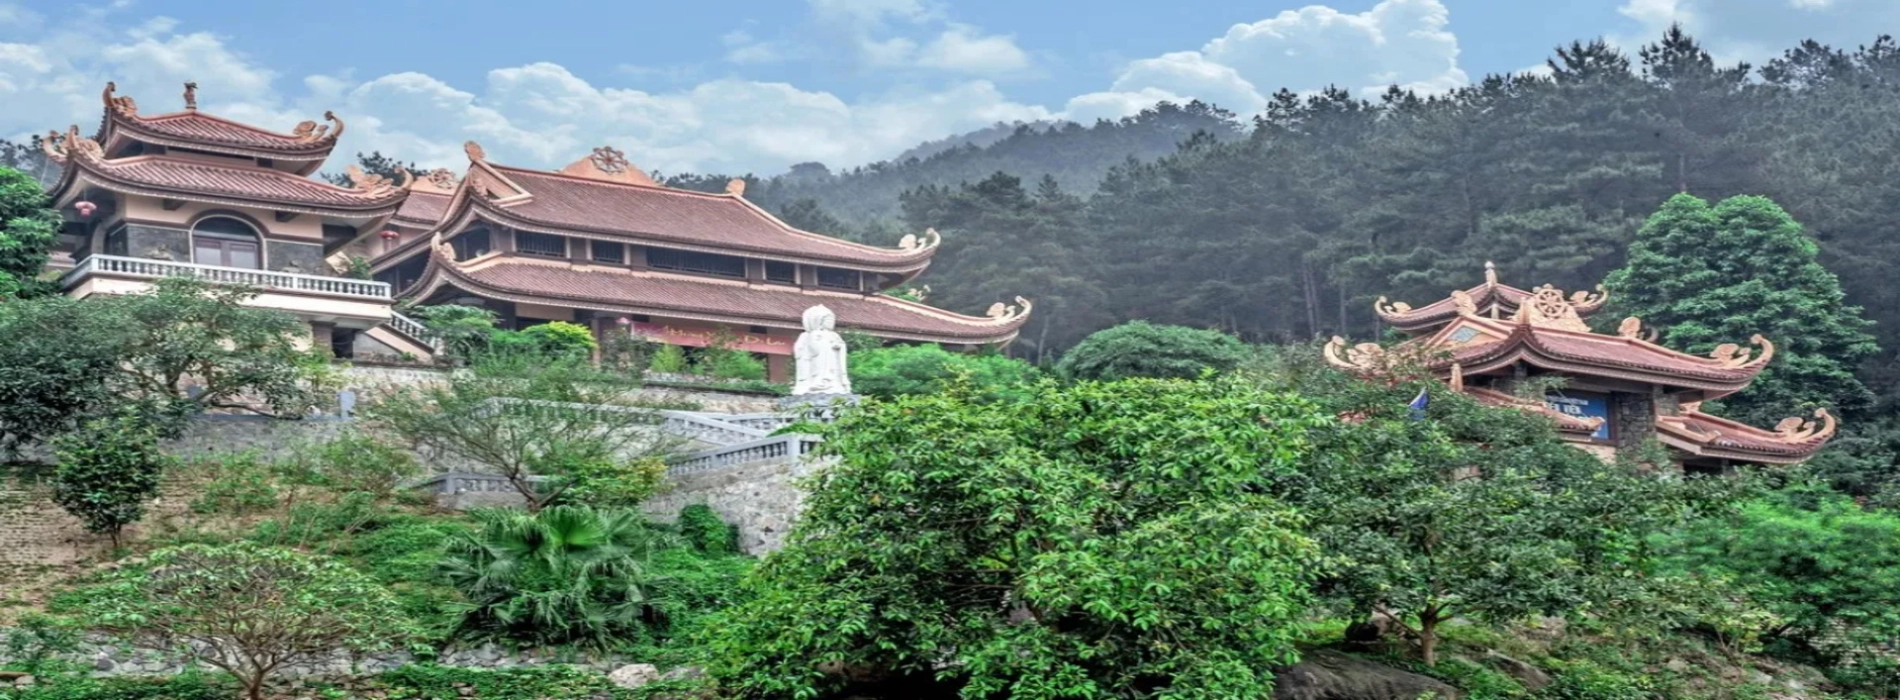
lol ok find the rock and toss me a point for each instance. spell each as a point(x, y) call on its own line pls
point(23, 681)
point(1330, 675)
point(1531, 677)
point(634, 675)
point(104, 664)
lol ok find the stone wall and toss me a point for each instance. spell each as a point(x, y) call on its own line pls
point(108, 658)
point(305, 258)
point(36, 535)
point(370, 380)
point(157, 242)
point(760, 499)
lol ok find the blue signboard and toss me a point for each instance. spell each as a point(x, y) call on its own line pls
point(1582, 405)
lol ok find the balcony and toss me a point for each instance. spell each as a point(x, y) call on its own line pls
point(348, 303)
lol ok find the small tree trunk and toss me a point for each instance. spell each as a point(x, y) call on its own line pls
point(1428, 639)
point(254, 686)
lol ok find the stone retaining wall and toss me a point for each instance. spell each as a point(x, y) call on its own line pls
point(108, 658)
point(370, 380)
point(760, 499)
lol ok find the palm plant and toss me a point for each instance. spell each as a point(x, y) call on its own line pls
point(565, 575)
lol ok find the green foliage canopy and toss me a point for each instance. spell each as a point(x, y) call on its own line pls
point(1717, 274)
point(107, 472)
point(1097, 540)
point(245, 609)
point(27, 230)
point(57, 359)
point(1143, 349)
point(907, 370)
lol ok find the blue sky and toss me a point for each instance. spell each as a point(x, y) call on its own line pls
point(746, 85)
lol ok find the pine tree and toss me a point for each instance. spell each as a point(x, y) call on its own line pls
point(1718, 274)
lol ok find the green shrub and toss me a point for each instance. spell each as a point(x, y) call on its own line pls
point(1584, 680)
point(433, 682)
point(703, 529)
point(190, 685)
point(725, 363)
point(244, 609)
point(669, 359)
point(107, 471)
point(1142, 349)
point(560, 339)
point(238, 483)
point(352, 462)
point(566, 575)
point(909, 370)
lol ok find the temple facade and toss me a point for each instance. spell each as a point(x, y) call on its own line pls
point(598, 243)
point(1608, 394)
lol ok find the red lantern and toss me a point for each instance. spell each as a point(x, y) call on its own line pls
point(85, 208)
point(389, 239)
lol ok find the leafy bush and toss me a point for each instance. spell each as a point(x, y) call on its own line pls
point(353, 461)
point(562, 340)
point(669, 359)
point(1096, 540)
point(245, 609)
point(1827, 573)
point(237, 483)
point(565, 575)
point(725, 363)
point(108, 471)
point(908, 370)
point(613, 483)
point(463, 330)
point(56, 360)
point(189, 685)
point(703, 529)
point(1142, 349)
point(428, 681)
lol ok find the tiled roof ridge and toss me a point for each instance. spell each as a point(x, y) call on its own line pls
point(84, 154)
point(753, 208)
point(1005, 317)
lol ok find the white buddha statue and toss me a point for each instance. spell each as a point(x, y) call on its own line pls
point(820, 354)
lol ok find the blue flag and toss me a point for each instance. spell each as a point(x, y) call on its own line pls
point(1418, 405)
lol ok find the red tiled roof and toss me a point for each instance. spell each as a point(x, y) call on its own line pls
point(1610, 352)
point(1565, 422)
point(566, 202)
point(196, 179)
point(1702, 434)
point(424, 207)
point(198, 127)
point(626, 291)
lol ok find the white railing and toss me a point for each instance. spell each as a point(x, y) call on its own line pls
point(763, 422)
point(708, 428)
point(414, 330)
point(261, 279)
point(792, 446)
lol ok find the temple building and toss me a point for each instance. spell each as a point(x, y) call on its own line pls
point(598, 243)
point(1531, 349)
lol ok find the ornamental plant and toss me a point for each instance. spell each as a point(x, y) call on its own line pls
point(1104, 539)
point(108, 471)
point(248, 610)
point(902, 370)
point(562, 340)
point(565, 575)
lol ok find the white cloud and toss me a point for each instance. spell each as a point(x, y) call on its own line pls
point(1758, 30)
point(966, 49)
point(1397, 42)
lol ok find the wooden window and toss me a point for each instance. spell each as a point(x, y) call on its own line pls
point(225, 242)
point(785, 272)
point(608, 252)
point(547, 245)
point(702, 263)
point(838, 278)
point(470, 244)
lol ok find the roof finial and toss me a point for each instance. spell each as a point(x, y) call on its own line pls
point(1490, 273)
point(474, 151)
point(736, 187)
point(191, 95)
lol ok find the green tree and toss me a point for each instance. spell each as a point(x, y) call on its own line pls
point(464, 330)
point(904, 370)
point(1097, 540)
point(27, 230)
point(1142, 349)
point(1826, 570)
point(1718, 274)
point(248, 610)
point(1470, 511)
point(546, 426)
point(108, 471)
point(190, 345)
point(564, 575)
point(56, 358)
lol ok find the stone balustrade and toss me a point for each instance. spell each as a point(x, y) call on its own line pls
point(140, 268)
point(789, 447)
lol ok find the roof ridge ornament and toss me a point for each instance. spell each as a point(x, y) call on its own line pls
point(1490, 274)
point(1464, 302)
point(124, 106)
point(1733, 356)
point(1003, 313)
point(736, 187)
point(1795, 429)
point(474, 151)
point(1546, 307)
point(191, 96)
point(610, 160)
point(930, 239)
